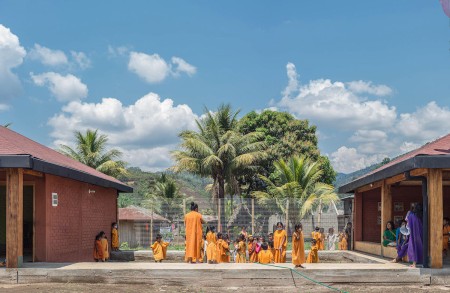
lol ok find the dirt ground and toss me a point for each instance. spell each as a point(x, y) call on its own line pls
point(107, 288)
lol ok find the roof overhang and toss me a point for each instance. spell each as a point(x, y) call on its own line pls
point(32, 163)
point(421, 161)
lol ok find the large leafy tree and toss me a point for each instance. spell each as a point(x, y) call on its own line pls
point(91, 150)
point(286, 137)
point(219, 151)
point(297, 181)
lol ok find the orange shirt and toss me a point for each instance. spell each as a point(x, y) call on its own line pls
point(265, 257)
point(98, 250)
point(298, 248)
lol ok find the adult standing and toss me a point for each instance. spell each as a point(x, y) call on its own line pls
point(415, 242)
point(193, 222)
point(280, 244)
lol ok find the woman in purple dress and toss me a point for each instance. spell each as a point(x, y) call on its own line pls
point(415, 242)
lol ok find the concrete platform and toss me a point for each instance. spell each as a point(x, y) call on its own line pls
point(374, 271)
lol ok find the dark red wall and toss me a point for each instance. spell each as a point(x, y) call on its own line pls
point(370, 228)
point(72, 225)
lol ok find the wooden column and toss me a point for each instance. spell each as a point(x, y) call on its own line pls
point(435, 210)
point(14, 218)
point(357, 217)
point(386, 208)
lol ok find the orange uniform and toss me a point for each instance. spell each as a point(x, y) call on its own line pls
point(313, 256)
point(279, 237)
point(265, 257)
point(298, 248)
point(98, 250)
point(193, 224)
point(446, 237)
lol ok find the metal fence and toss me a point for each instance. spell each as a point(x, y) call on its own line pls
point(229, 215)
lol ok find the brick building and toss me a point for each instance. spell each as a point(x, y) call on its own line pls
point(387, 194)
point(51, 207)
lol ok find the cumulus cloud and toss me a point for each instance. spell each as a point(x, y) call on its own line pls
point(11, 56)
point(336, 103)
point(114, 52)
point(65, 88)
point(354, 114)
point(154, 69)
point(151, 68)
point(81, 59)
point(347, 160)
point(426, 123)
point(48, 56)
point(146, 131)
point(182, 66)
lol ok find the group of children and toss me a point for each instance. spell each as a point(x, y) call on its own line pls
point(101, 247)
point(217, 247)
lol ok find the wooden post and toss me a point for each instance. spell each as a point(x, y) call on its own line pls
point(151, 228)
point(253, 216)
point(287, 215)
point(386, 209)
point(219, 224)
point(14, 218)
point(435, 212)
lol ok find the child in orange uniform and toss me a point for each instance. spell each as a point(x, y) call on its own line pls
point(265, 256)
point(115, 237)
point(241, 250)
point(105, 247)
point(313, 256)
point(98, 250)
point(159, 249)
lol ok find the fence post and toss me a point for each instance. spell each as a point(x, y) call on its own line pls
point(219, 216)
point(184, 207)
point(151, 228)
point(287, 215)
point(253, 216)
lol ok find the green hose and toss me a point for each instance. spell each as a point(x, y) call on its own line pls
point(306, 277)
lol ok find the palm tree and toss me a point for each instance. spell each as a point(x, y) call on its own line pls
point(297, 190)
point(219, 151)
point(91, 151)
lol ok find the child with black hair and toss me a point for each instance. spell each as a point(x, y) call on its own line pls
point(105, 247)
point(114, 237)
point(265, 256)
point(298, 246)
point(159, 249)
point(241, 249)
point(313, 256)
point(98, 250)
point(222, 248)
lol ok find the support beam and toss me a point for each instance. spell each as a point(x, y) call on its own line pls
point(386, 207)
point(435, 208)
point(370, 186)
point(33, 173)
point(14, 217)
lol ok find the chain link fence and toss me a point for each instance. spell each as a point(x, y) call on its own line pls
point(139, 226)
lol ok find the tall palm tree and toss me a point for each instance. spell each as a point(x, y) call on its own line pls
point(219, 151)
point(91, 150)
point(298, 182)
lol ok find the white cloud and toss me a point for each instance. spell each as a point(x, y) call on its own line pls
point(154, 69)
point(81, 59)
point(425, 123)
point(48, 56)
point(352, 113)
point(146, 131)
point(337, 104)
point(117, 51)
point(151, 68)
point(361, 87)
point(64, 87)
point(11, 56)
point(182, 66)
point(347, 160)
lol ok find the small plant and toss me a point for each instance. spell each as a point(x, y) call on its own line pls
point(124, 246)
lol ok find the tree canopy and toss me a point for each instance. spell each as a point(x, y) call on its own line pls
point(286, 136)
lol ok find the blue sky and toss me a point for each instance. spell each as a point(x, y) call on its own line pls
point(372, 75)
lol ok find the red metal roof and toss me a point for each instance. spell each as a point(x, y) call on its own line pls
point(134, 213)
point(13, 143)
point(440, 146)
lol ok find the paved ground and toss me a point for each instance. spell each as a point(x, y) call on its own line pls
point(107, 288)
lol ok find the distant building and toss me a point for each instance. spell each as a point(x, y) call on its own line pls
point(136, 226)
